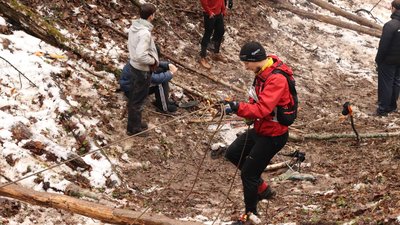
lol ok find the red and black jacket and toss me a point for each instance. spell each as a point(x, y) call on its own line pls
point(272, 90)
point(213, 6)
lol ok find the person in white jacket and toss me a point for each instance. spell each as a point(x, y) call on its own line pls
point(143, 61)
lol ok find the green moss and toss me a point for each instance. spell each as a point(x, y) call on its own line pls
point(35, 17)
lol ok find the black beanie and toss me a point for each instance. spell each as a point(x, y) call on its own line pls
point(252, 52)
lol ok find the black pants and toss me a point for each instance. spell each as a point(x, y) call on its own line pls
point(161, 92)
point(215, 27)
point(140, 82)
point(257, 153)
point(388, 87)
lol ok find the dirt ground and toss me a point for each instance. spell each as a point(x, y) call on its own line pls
point(171, 170)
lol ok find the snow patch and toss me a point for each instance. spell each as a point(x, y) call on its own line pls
point(2, 21)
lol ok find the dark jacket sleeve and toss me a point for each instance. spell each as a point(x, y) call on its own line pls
point(163, 75)
point(385, 42)
point(164, 65)
point(125, 79)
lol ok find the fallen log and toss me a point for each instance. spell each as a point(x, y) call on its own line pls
point(220, 81)
point(34, 24)
point(328, 19)
point(31, 22)
point(358, 19)
point(276, 166)
point(192, 91)
point(136, 3)
point(294, 137)
point(97, 211)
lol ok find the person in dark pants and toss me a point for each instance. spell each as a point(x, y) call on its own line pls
point(252, 151)
point(143, 60)
point(388, 63)
point(213, 12)
point(159, 85)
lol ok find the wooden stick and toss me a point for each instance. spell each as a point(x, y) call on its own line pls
point(192, 91)
point(210, 120)
point(178, 62)
point(328, 19)
point(277, 166)
point(108, 214)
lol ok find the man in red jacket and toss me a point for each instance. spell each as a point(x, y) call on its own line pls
point(253, 150)
point(214, 12)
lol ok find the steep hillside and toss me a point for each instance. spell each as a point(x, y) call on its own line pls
point(75, 108)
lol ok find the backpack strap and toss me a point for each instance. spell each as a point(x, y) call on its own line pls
point(291, 83)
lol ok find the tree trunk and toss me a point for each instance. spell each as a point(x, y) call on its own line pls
point(31, 22)
point(35, 25)
point(350, 16)
point(97, 211)
point(295, 137)
point(329, 20)
point(136, 3)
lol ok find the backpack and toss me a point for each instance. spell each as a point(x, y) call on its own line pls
point(287, 116)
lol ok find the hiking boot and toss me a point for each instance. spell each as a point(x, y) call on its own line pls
point(219, 57)
point(144, 134)
point(241, 221)
point(267, 194)
point(171, 102)
point(218, 153)
point(204, 63)
point(144, 126)
point(381, 113)
point(247, 219)
point(171, 108)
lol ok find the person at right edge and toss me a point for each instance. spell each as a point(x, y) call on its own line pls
point(143, 61)
point(253, 150)
point(213, 13)
point(388, 63)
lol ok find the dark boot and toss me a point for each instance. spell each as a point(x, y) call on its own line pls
point(267, 194)
point(144, 125)
point(135, 132)
point(171, 108)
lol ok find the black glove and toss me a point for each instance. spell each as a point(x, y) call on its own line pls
point(231, 107)
point(230, 4)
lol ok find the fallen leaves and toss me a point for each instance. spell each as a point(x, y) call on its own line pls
point(20, 132)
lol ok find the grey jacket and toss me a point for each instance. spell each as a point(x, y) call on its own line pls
point(141, 46)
